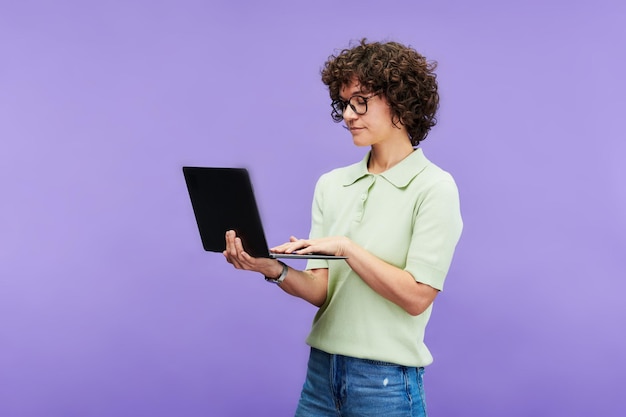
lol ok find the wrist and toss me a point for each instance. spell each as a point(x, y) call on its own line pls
point(278, 276)
point(345, 247)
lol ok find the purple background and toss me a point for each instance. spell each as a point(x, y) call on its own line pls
point(109, 306)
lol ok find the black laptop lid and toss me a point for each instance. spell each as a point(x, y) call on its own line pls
point(223, 199)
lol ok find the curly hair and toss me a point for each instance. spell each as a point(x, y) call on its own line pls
point(405, 77)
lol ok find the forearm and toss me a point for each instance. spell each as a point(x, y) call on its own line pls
point(308, 285)
point(311, 285)
point(392, 283)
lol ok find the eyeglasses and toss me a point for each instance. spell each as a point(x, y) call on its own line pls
point(358, 104)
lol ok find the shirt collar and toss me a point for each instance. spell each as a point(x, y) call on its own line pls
point(400, 175)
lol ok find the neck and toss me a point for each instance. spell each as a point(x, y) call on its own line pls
point(386, 154)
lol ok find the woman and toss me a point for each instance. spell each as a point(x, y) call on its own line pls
point(395, 216)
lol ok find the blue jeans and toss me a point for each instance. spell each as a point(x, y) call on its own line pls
point(342, 386)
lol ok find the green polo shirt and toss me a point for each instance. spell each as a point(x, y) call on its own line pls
point(409, 217)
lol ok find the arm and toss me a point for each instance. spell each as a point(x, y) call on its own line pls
point(435, 232)
point(395, 284)
point(309, 285)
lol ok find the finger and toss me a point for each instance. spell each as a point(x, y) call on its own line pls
point(316, 246)
point(279, 248)
point(234, 249)
point(282, 247)
point(250, 263)
point(247, 260)
point(305, 250)
point(238, 246)
point(303, 243)
point(297, 245)
point(232, 246)
point(287, 246)
point(228, 237)
point(233, 261)
point(225, 253)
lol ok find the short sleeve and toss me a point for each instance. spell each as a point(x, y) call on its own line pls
point(436, 232)
point(317, 222)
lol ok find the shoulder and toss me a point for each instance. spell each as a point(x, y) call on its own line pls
point(343, 175)
point(432, 183)
point(433, 175)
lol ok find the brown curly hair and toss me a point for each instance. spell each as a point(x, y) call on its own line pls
point(405, 77)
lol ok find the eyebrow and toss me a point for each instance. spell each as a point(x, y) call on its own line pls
point(356, 92)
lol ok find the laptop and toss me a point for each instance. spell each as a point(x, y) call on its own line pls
point(223, 199)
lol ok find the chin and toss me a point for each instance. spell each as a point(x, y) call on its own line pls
point(360, 142)
point(361, 145)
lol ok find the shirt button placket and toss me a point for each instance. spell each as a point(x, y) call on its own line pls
point(362, 199)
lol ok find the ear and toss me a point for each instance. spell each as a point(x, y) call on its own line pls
point(397, 122)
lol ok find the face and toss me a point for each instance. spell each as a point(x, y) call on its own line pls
point(373, 127)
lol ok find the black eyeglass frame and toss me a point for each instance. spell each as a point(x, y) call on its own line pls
point(337, 113)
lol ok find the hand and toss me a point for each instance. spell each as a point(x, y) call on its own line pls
point(240, 259)
point(336, 245)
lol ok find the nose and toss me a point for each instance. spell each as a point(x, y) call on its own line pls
point(349, 114)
